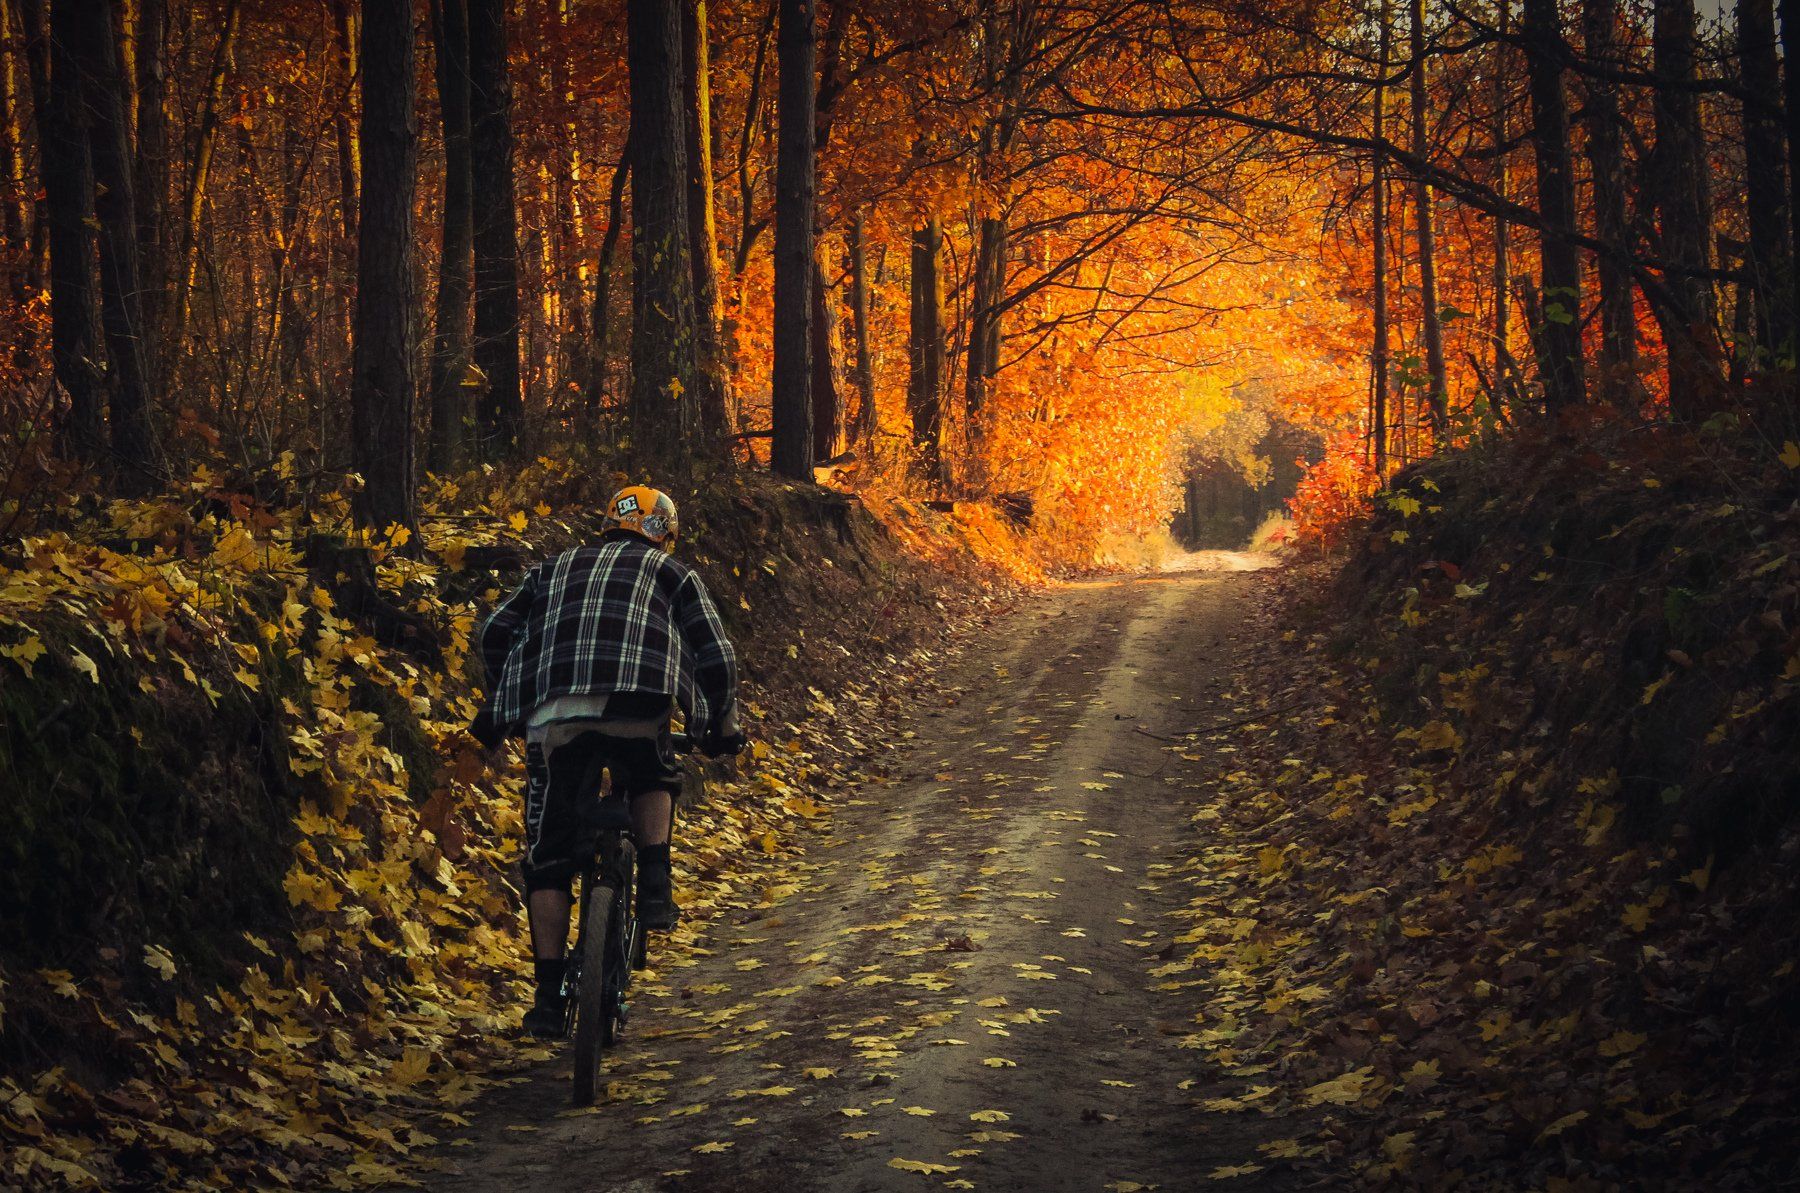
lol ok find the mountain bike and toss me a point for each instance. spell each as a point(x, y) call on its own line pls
point(609, 942)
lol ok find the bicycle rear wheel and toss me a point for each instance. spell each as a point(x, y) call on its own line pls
point(593, 1017)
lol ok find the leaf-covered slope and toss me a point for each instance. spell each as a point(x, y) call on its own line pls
point(259, 909)
point(1501, 890)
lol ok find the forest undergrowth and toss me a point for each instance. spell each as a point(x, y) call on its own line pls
point(1507, 834)
point(291, 951)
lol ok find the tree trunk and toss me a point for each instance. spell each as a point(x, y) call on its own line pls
point(1790, 56)
point(1502, 188)
point(600, 324)
point(664, 362)
point(827, 405)
point(35, 31)
point(703, 233)
point(456, 266)
point(1437, 391)
point(87, 27)
point(925, 380)
point(69, 194)
point(1770, 262)
point(381, 387)
point(1560, 363)
point(349, 154)
point(200, 165)
point(1606, 162)
point(496, 234)
point(1684, 218)
point(1378, 382)
point(15, 199)
point(794, 259)
point(982, 359)
point(152, 166)
point(749, 227)
point(866, 420)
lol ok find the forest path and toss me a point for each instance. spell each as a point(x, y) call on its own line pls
point(959, 972)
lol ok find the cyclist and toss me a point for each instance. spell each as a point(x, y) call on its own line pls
point(587, 659)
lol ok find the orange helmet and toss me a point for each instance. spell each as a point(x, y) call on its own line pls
point(646, 512)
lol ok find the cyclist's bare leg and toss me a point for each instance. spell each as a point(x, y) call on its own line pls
point(548, 911)
point(652, 814)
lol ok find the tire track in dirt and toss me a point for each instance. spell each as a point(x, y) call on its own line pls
point(958, 976)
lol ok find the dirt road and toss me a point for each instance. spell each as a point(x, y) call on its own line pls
point(956, 986)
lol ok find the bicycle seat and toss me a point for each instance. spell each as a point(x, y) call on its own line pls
point(613, 815)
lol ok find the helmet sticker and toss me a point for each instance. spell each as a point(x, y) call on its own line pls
point(655, 526)
point(628, 504)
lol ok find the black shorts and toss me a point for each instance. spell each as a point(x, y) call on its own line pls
point(563, 770)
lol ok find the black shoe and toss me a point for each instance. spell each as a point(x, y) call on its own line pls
point(658, 913)
point(547, 1019)
point(656, 907)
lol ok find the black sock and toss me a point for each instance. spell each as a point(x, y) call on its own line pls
point(654, 857)
point(549, 977)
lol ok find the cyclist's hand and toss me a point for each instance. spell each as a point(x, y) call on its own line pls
point(718, 745)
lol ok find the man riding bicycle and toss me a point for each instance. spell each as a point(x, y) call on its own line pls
point(587, 660)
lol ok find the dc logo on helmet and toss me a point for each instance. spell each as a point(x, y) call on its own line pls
point(628, 504)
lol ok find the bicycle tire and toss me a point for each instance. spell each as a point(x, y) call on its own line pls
point(593, 1018)
point(625, 931)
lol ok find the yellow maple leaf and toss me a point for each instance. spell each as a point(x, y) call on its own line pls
point(1226, 1172)
point(159, 959)
point(922, 1167)
point(990, 1116)
point(1440, 735)
point(1621, 1042)
point(1790, 454)
point(411, 1068)
point(25, 653)
point(712, 1146)
point(518, 520)
point(1636, 916)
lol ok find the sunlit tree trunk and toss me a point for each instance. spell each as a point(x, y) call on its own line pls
point(1606, 165)
point(664, 360)
point(925, 380)
point(69, 194)
point(382, 382)
point(1502, 228)
point(1559, 359)
point(456, 266)
point(864, 369)
point(349, 154)
point(496, 235)
point(703, 234)
point(1378, 382)
point(1770, 257)
point(86, 25)
point(827, 404)
point(796, 94)
point(1436, 374)
point(600, 323)
point(1684, 219)
point(34, 32)
point(206, 136)
point(15, 200)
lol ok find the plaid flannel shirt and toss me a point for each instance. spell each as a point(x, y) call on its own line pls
point(623, 616)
